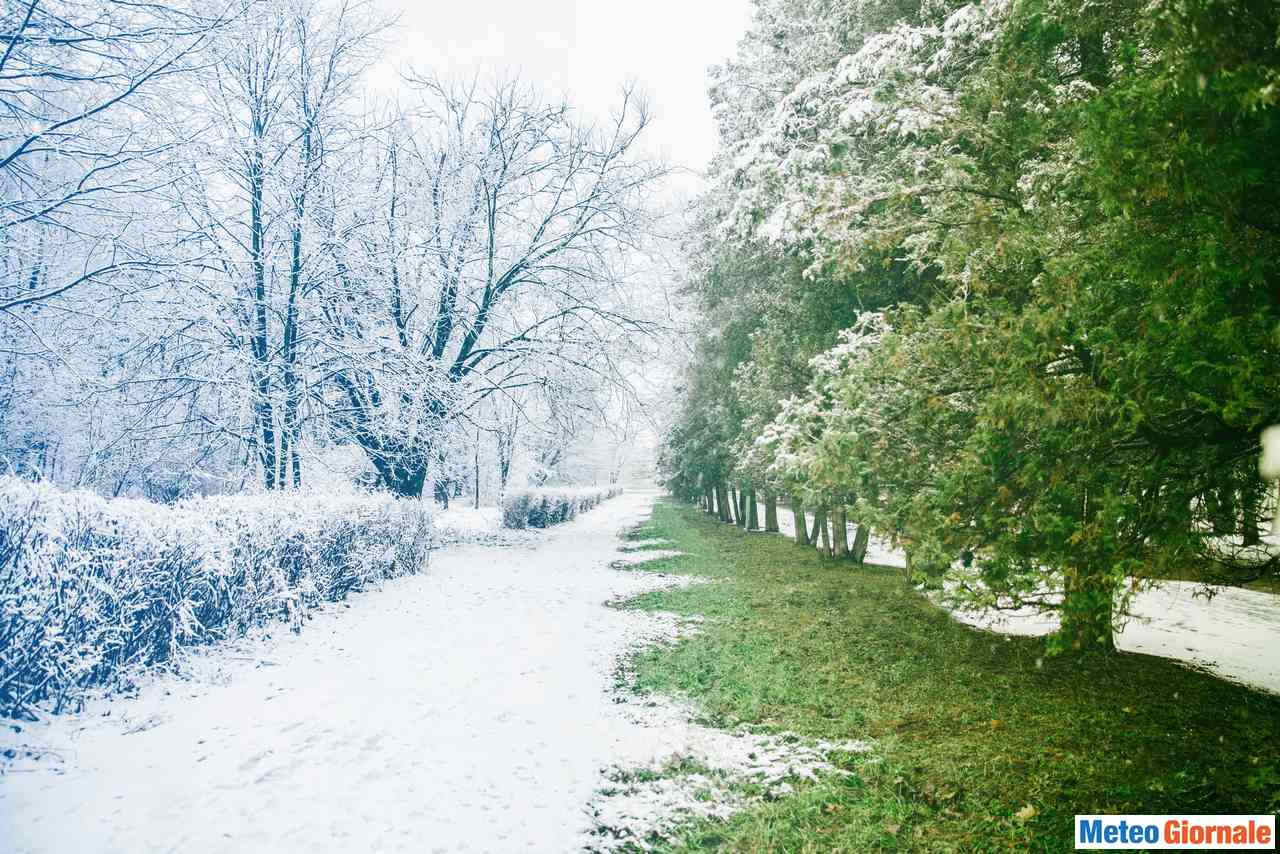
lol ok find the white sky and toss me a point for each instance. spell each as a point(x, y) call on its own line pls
point(586, 49)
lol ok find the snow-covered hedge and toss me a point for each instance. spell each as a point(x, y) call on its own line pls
point(540, 508)
point(90, 587)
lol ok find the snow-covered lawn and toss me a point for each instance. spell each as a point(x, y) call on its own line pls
point(1234, 634)
point(476, 525)
point(467, 708)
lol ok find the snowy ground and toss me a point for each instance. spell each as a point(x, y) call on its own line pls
point(462, 523)
point(467, 708)
point(1234, 634)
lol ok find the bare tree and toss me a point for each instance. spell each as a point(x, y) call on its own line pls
point(280, 85)
point(78, 84)
point(217, 257)
point(86, 262)
point(493, 267)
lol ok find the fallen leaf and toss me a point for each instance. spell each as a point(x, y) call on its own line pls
point(1027, 813)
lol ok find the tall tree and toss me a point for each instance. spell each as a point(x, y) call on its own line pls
point(497, 269)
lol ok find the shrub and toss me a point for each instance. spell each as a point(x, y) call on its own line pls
point(515, 510)
point(539, 508)
point(91, 587)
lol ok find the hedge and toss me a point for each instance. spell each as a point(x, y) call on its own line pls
point(541, 508)
point(91, 588)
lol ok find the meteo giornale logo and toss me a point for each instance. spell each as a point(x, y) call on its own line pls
point(1180, 832)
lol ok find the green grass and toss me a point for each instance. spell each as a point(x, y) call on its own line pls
point(981, 742)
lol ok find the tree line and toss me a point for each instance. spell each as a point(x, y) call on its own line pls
point(999, 281)
point(224, 255)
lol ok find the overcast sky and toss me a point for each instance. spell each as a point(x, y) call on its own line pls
point(586, 49)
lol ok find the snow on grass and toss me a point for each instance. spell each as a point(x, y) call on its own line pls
point(644, 543)
point(478, 526)
point(1232, 632)
point(632, 558)
point(671, 768)
point(473, 707)
point(679, 770)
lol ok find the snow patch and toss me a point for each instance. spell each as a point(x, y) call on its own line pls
point(1228, 631)
point(638, 558)
point(637, 545)
point(680, 770)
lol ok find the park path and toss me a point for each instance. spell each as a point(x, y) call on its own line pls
point(466, 708)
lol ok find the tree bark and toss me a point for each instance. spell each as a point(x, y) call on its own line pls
point(818, 537)
point(840, 532)
point(771, 514)
point(263, 410)
point(820, 523)
point(861, 539)
point(801, 524)
point(722, 502)
point(753, 520)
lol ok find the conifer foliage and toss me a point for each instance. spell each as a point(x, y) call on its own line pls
point(1002, 280)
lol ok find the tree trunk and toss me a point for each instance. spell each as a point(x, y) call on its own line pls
point(402, 469)
point(753, 519)
point(1087, 612)
point(742, 509)
point(819, 534)
point(266, 436)
point(771, 514)
point(722, 503)
point(820, 522)
point(802, 524)
point(861, 538)
point(282, 461)
point(477, 470)
point(840, 532)
point(1250, 501)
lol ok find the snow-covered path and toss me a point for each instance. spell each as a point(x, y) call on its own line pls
point(467, 708)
